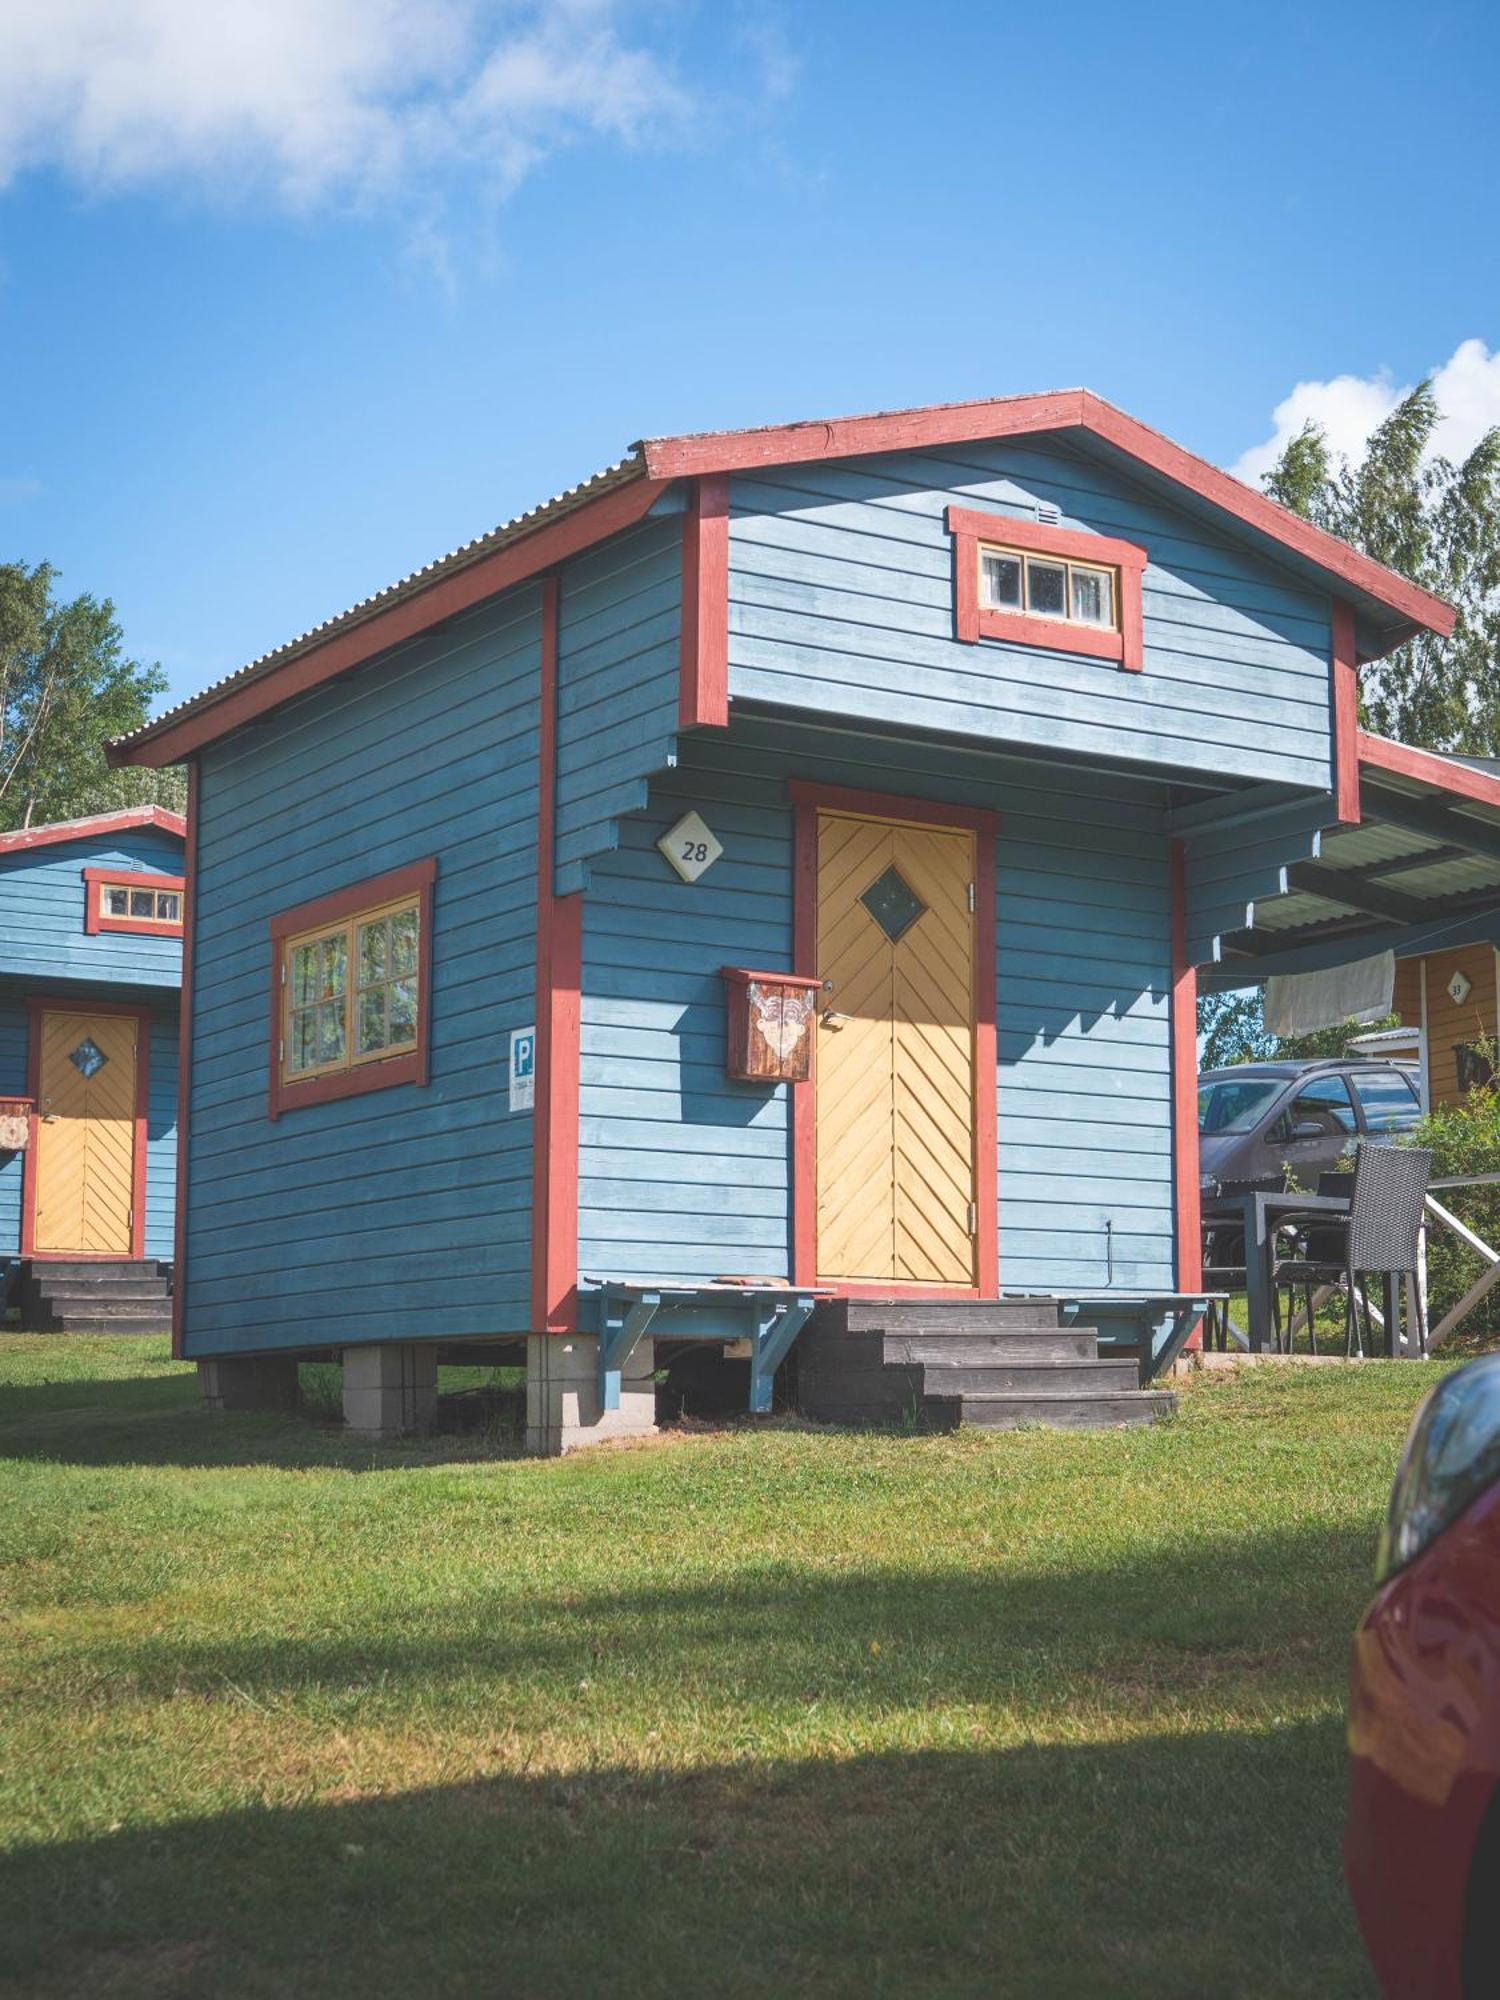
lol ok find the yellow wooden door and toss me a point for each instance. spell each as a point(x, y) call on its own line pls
point(85, 1142)
point(895, 1053)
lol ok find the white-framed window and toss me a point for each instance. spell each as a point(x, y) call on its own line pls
point(1045, 586)
point(152, 906)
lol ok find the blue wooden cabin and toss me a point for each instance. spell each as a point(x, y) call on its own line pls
point(766, 884)
point(91, 922)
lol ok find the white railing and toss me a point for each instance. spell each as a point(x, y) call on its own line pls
point(1488, 1278)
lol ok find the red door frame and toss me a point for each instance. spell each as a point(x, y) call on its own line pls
point(35, 1009)
point(807, 799)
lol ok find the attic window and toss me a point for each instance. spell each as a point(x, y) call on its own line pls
point(1056, 589)
point(126, 900)
point(350, 990)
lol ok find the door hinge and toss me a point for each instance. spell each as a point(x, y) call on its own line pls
point(973, 1218)
point(973, 903)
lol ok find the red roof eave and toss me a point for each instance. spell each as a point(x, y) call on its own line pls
point(1067, 409)
point(625, 493)
point(1428, 767)
point(97, 823)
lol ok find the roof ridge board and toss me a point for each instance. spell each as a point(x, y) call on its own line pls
point(55, 832)
point(701, 452)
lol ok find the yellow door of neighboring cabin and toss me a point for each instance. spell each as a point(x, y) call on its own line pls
point(895, 1053)
point(85, 1132)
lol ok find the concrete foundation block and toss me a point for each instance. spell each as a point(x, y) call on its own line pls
point(250, 1382)
point(390, 1388)
point(562, 1394)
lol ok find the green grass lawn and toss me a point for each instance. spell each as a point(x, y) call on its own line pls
point(1038, 1714)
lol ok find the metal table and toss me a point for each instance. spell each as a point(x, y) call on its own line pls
point(1257, 1211)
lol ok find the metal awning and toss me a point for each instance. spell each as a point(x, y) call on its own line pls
point(1418, 872)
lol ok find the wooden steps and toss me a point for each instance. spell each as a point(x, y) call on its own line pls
point(95, 1295)
point(995, 1364)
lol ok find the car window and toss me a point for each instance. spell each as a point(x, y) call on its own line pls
point(1234, 1104)
point(1388, 1100)
point(1325, 1102)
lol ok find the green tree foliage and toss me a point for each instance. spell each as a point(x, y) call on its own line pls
point(66, 687)
point(1232, 1029)
point(1439, 524)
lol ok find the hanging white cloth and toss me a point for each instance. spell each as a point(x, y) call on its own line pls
point(1299, 1002)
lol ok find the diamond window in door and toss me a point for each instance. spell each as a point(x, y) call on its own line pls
point(893, 904)
point(88, 1058)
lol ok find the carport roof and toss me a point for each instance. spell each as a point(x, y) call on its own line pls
point(1420, 868)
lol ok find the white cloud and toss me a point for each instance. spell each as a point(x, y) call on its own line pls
point(1348, 408)
point(356, 100)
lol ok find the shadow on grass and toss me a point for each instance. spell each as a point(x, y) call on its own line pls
point(160, 1419)
point(1181, 1866)
point(1268, 1615)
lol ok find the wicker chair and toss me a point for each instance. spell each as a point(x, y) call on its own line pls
point(1380, 1239)
point(1309, 1255)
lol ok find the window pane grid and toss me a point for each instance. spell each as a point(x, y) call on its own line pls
point(1048, 587)
point(352, 992)
point(152, 906)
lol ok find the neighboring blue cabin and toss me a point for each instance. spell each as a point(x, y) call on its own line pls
point(778, 870)
point(91, 919)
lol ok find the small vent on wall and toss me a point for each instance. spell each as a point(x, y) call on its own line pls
point(1048, 514)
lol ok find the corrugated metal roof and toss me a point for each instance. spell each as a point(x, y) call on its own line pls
point(630, 467)
point(1373, 840)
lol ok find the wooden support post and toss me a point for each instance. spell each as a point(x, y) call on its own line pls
point(775, 1330)
point(622, 1326)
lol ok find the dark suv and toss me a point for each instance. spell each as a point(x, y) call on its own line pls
point(1260, 1119)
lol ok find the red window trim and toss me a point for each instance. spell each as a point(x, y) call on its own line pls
point(96, 918)
point(808, 799)
point(411, 1067)
point(36, 1007)
point(974, 621)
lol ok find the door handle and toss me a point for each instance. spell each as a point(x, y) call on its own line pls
point(832, 1019)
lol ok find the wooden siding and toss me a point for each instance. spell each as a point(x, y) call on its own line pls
point(1406, 994)
point(407, 1211)
point(1449, 1021)
point(619, 632)
point(42, 910)
point(1228, 870)
point(161, 1122)
point(841, 601)
point(685, 1175)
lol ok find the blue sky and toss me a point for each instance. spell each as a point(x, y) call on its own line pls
point(293, 300)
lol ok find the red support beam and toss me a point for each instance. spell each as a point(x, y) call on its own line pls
point(559, 952)
point(1186, 1173)
point(1345, 715)
point(703, 698)
point(184, 1061)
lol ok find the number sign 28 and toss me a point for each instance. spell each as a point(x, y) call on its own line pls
point(691, 847)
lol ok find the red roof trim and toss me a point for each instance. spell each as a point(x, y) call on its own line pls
point(460, 590)
point(1426, 767)
point(1012, 416)
point(87, 829)
point(359, 636)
